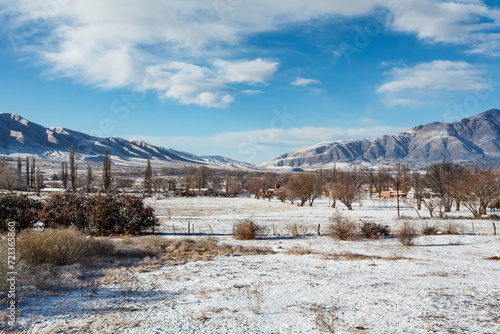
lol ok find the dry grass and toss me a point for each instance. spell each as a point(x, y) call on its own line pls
point(247, 230)
point(327, 322)
point(255, 297)
point(60, 247)
point(348, 256)
point(495, 258)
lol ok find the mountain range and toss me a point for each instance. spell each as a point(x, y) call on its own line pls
point(473, 140)
point(20, 136)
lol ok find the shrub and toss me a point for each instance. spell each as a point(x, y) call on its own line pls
point(60, 247)
point(64, 210)
point(375, 231)
point(122, 215)
point(247, 230)
point(342, 228)
point(429, 230)
point(20, 209)
point(296, 230)
point(406, 234)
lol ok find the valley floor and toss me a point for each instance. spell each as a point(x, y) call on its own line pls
point(443, 284)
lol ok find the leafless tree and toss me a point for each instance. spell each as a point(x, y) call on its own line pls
point(11, 178)
point(27, 171)
point(439, 178)
point(202, 177)
point(64, 174)
point(32, 178)
point(305, 186)
point(72, 166)
point(89, 179)
point(417, 184)
point(478, 189)
point(147, 177)
point(39, 181)
point(19, 164)
point(106, 172)
point(347, 188)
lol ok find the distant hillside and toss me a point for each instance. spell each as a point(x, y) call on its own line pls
point(474, 139)
point(20, 136)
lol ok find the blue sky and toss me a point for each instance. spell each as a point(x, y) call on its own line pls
point(249, 80)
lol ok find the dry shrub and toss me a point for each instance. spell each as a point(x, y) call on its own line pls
point(452, 228)
point(255, 297)
point(247, 230)
point(406, 234)
point(296, 230)
point(60, 247)
point(342, 228)
point(429, 230)
point(327, 321)
point(495, 258)
point(375, 231)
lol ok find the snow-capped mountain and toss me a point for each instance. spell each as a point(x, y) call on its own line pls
point(20, 136)
point(474, 139)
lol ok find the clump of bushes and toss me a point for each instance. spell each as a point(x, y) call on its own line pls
point(20, 209)
point(342, 228)
point(60, 247)
point(247, 230)
point(406, 234)
point(64, 210)
point(375, 231)
point(101, 215)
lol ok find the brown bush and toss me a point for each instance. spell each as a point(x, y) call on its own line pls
point(342, 228)
point(406, 234)
point(247, 230)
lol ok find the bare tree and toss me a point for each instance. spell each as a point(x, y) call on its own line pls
point(11, 178)
point(416, 182)
point(346, 188)
point(27, 171)
point(439, 177)
point(19, 164)
point(202, 177)
point(432, 204)
point(106, 172)
point(304, 186)
point(64, 174)
point(147, 177)
point(72, 166)
point(88, 180)
point(478, 189)
point(39, 181)
point(32, 178)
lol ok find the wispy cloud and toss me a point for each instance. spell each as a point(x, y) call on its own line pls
point(304, 82)
point(406, 83)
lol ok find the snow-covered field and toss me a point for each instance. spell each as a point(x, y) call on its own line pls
point(444, 284)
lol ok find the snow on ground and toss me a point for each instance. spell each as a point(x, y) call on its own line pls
point(444, 284)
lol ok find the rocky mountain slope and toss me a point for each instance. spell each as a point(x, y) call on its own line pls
point(20, 136)
point(474, 139)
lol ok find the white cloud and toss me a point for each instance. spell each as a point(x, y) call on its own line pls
point(436, 75)
point(304, 82)
point(116, 43)
point(206, 86)
point(440, 75)
point(466, 22)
